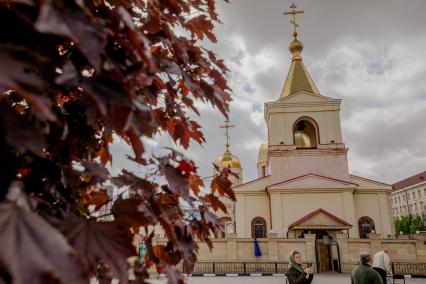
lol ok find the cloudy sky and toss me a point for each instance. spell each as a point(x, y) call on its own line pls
point(370, 53)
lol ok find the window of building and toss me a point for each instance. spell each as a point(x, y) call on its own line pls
point(305, 134)
point(365, 225)
point(419, 193)
point(414, 195)
point(258, 228)
point(226, 223)
point(415, 205)
point(403, 197)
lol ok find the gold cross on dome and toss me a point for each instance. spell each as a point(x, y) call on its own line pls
point(293, 13)
point(227, 126)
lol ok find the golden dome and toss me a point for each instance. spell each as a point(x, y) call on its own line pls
point(302, 140)
point(296, 45)
point(263, 153)
point(228, 160)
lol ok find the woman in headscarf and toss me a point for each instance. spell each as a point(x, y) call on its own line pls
point(295, 273)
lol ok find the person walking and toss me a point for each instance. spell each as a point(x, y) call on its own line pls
point(381, 264)
point(295, 273)
point(363, 273)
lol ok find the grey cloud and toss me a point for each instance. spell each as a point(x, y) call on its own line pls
point(371, 54)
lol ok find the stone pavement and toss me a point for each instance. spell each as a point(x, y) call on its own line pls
point(318, 279)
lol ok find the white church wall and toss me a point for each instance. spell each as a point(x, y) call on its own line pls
point(296, 206)
point(247, 207)
point(281, 118)
point(327, 128)
point(375, 206)
point(295, 165)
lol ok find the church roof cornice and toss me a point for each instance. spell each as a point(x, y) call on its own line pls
point(334, 184)
point(318, 211)
point(251, 182)
point(369, 180)
point(302, 102)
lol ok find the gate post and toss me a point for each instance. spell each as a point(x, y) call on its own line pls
point(311, 255)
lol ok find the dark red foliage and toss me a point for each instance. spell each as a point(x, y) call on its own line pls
point(73, 75)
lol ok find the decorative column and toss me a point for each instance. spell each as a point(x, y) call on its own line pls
point(272, 246)
point(231, 247)
point(277, 213)
point(310, 249)
point(376, 244)
point(349, 211)
point(342, 241)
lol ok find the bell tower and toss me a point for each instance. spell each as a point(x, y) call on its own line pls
point(304, 131)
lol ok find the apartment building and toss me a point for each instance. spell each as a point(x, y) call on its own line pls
point(409, 196)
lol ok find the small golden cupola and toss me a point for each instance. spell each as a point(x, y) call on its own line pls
point(298, 78)
point(227, 160)
point(263, 153)
point(262, 160)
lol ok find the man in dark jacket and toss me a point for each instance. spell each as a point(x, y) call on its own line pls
point(363, 273)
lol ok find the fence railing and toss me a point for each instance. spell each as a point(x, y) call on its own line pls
point(246, 268)
point(409, 268)
point(241, 268)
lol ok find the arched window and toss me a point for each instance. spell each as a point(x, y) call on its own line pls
point(226, 223)
point(305, 134)
point(258, 228)
point(365, 225)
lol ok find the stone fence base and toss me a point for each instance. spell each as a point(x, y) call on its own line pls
point(344, 250)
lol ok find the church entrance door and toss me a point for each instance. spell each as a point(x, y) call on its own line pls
point(327, 252)
point(324, 257)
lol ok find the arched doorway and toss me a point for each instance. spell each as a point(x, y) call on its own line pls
point(327, 252)
point(323, 250)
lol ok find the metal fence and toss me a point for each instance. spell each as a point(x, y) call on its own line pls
point(240, 268)
point(265, 268)
point(409, 268)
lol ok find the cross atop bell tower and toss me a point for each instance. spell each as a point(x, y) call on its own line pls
point(293, 13)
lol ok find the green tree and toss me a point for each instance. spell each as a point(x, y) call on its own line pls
point(408, 224)
point(416, 225)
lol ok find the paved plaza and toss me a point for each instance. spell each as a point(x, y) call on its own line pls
point(319, 279)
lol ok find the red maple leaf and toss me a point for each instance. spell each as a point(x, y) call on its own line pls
point(186, 168)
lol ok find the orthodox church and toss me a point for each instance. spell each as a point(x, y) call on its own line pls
point(304, 184)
